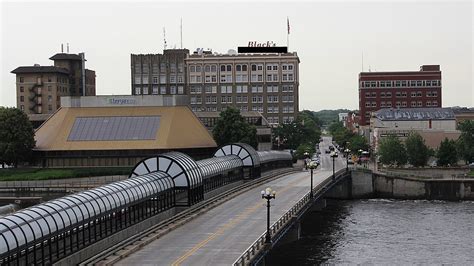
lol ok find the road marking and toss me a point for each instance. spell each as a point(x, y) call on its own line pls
point(232, 222)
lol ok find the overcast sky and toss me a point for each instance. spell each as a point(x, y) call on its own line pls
point(329, 38)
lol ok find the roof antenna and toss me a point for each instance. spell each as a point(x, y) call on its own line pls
point(164, 38)
point(68, 48)
point(181, 32)
point(62, 48)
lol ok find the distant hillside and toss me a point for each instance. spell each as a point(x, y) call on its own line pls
point(328, 116)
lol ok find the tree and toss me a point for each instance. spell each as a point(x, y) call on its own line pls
point(16, 136)
point(358, 142)
point(417, 151)
point(304, 130)
point(231, 127)
point(392, 151)
point(465, 143)
point(446, 153)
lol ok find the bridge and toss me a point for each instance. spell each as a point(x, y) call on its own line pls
point(227, 232)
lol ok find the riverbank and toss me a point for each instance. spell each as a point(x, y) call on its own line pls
point(367, 184)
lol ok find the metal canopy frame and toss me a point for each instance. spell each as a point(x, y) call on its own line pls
point(246, 153)
point(185, 172)
point(23, 231)
point(270, 156)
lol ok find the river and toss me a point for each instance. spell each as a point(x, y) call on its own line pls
point(381, 232)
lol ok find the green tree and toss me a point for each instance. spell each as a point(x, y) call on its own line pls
point(392, 151)
point(231, 127)
point(358, 142)
point(446, 153)
point(417, 151)
point(304, 130)
point(465, 143)
point(16, 136)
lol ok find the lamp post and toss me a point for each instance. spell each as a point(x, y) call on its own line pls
point(312, 165)
point(333, 156)
point(268, 194)
point(347, 151)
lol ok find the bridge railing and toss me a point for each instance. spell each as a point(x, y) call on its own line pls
point(259, 245)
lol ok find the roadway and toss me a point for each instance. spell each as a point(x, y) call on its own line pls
point(222, 234)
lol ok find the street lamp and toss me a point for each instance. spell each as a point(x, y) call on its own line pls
point(268, 194)
point(333, 156)
point(312, 165)
point(347, 151)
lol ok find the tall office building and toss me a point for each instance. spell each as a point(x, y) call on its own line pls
point(39, 88)
point(163, 74)
point(399, 89)
point(264, 83)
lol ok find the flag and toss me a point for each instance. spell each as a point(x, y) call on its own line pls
point(288, 22)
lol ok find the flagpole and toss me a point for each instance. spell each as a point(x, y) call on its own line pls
point(288, 34)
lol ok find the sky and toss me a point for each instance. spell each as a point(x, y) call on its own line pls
point(331, 38)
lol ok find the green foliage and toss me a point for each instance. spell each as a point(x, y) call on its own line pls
point(16, 136)
point(304, 130)
point(342, 135)
point(392, 151)
point(19, 174)
point(358, 142)
point(329, 116)
point(417, 151)
point(447, 153)
point(465, 143)
point(231, 127)
point(305, 147)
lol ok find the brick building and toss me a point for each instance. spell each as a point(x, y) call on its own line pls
point(39, 88)
point(399, 89)
point(264, 83)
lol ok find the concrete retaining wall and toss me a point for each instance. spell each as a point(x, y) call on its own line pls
point(367, 184)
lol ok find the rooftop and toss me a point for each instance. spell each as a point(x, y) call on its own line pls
point(39, 69)
point(411, 114)
point(122, 128)
point(64, 56)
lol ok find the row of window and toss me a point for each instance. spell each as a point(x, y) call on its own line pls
point(228, 78)
point(400, 83)
point(242, 99)
point(239, 68)
point(403, 104)
point(162, 90)
point(401, 94)
point(50, 79)
point(159, 80)
point(173, 67)
point(244, 108)
point(241, 89)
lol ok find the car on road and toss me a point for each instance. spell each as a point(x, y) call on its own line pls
point(327, 151)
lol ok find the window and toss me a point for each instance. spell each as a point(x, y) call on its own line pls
point(138, 80)
point(22, 98)
point(412, 83)
point(269, 67)
point(22, 79)
point(222, 68)
point(162, 79)
point(192, 68)
point(382, 95)
point(180, 90)
point(198, 68)
point(207, 68)
point(389, 104)
point(145, 90)
point(22, 107)
point(229, 68)
point(137, 90)
point(367, 104)
point(22, 89)
point(398, 104)
point(382, 104)
point(50, 107)
point(428, 83)
point(435, 103)
point(404, 83)
point(413, 104)
point(374, 94)
point(172, 79)
point(374, 104)
point(398, 94)
point(434, 93)
point(404, 94)
point(418, 94)
point(238, 68)
point(145, 79)
point(404, 104)
point(420, 104)
point(180, 79)
point(413, 94)
point(367, 95)
point(155, 80)
point(419, 83)
point(154, 90)
point(162, 90)
point(398, 83)
point(213, 68)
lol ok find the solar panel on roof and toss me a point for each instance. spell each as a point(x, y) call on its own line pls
point(114, 128)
